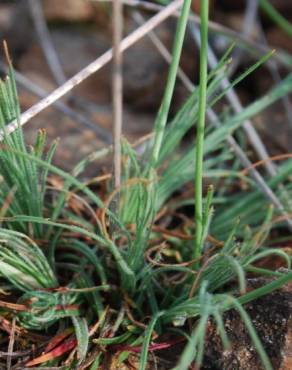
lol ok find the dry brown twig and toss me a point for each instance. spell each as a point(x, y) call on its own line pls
point(117, 90)
point(55, 66)
point(11, 344)
point(36, 10)
point(257, 48)
point(94, 66)
point(77, 117)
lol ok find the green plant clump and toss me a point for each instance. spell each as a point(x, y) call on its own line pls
point(100, 281)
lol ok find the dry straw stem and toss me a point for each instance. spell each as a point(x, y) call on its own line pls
point(247, 29)
point(57, 71)
point(36, 10)
point(275, 73)
point(117, 88)
point(257, 48)
point(38, 91)
point(11, 344)
point(139, 19)
point(94, 66)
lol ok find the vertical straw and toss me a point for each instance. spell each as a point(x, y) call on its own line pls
point(117, 88)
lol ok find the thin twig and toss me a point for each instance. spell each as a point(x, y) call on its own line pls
point(94, 66)
point(45, 39)
point(117, 90)
point(50, 52)
point(11, 344)
point(15, 354)
point(258, 48)
point(139, 19)
point(248, 24)
point(274, 70)
point(36, 90)
point(46, 368)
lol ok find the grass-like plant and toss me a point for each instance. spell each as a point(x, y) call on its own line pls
point(276, 17)
point(95, 280)
point(201, 130)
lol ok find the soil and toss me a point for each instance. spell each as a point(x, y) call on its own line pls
point(272, 318)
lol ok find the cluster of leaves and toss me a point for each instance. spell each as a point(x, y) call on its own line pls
point(117, 265)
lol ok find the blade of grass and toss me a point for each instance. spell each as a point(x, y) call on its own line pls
point(127, 275)
point(82, 335)
point(160, 122)
point(256, 49)
point(148, 334)
point(204, 12)
point(212, 115)
point(234, 101)
point(253, 334)
point(276, 17)
point(77, 117)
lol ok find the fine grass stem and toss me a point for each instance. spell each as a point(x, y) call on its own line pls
point(201, 128)
point(162, 116)
point(276, 17)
